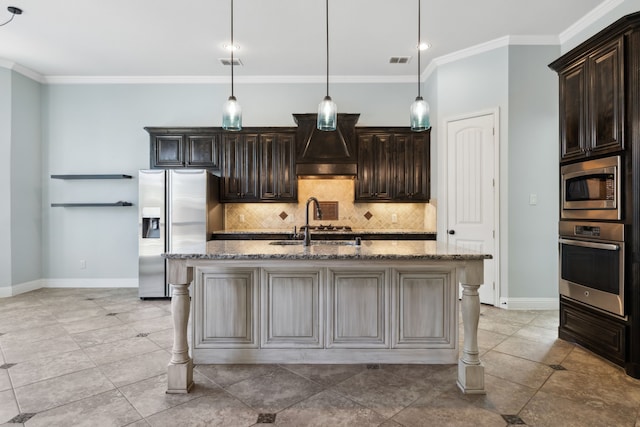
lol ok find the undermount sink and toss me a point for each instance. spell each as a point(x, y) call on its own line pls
point(314, 242)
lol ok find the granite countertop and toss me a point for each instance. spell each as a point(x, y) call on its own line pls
point(369, 234)
point(328, 250)
point(353, 231)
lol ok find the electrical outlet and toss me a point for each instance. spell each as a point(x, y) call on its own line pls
point(533, 199)
point(83, 264)
point(241, 218)
point(394, 218)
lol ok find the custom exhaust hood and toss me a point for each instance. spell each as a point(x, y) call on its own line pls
point(321, 154)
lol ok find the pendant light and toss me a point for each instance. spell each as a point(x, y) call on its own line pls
point(13, 11)
point(232, 112)
point(327, 110)
point(419, 111)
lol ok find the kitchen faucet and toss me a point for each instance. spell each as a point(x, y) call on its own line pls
point(307, 234)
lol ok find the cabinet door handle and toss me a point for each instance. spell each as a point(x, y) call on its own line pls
point(452, 232)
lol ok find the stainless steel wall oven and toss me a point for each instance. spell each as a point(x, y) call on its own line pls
point(592, 264)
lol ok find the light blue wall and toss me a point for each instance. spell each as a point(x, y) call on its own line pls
point(516, 81)
point(5, 177)
point(533, 169)
point(470, 85)
point(430, 94)
point(99, 129)
point(26, 180)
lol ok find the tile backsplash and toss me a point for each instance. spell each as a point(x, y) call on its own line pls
point(245, 216)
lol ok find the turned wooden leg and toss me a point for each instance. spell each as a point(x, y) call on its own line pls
point(470, 369)
point(180, 369)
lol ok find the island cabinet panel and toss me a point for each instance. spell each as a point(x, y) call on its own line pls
point(422, 311)
point(226, 312)
point(291, 308)
point(358, 308)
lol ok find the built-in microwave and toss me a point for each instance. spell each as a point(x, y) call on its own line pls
point(591, 189)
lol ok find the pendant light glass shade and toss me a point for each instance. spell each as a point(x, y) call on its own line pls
point(419, 115)
point(232, 115)
point(232, 112)
point(327, 109)
point(327, 114)
point(419, 111)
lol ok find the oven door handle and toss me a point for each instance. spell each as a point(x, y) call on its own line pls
point(593, 245)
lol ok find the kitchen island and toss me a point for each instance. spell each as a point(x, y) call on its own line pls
point(331, 302)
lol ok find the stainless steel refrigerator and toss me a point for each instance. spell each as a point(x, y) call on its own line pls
point(178, 210)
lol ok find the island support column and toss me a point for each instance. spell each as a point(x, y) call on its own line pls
point(180, 369)
point(470, 369)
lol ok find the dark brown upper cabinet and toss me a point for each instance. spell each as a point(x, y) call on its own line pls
point(412, 166)
point(592, 102)
point(185, 147)
point(167, 151)
point(203, 151)
point(277, 167)
point(375, 167)
point(239, 167)
point(393, 165)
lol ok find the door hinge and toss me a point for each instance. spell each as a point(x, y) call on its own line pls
point(494, 286)
point(494, 233)
point(493, 131)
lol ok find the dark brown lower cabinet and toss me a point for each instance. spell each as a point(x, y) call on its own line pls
point(594, 330)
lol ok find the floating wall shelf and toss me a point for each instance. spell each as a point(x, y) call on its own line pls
point(91, 176)
point(79, 205)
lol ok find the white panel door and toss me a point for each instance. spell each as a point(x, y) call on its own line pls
point(471, 191)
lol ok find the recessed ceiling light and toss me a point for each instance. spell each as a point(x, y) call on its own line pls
point(230, 47)
point(424, 46)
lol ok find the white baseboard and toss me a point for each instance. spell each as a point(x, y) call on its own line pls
point(91, 283)
point(21, 288)
point(530, 303)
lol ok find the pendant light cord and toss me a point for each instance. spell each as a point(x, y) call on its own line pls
point(10, 19)
point(13, 11)
point(418, 48)
point(327, 28)
point(232, 47)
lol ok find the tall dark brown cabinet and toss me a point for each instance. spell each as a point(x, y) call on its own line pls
point(599, 84)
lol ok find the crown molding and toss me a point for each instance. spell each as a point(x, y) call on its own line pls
point(224, 80)
point(590, 18)
point(10, 65)
point(488, 46)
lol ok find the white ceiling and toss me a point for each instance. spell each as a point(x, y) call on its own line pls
point(277, 38)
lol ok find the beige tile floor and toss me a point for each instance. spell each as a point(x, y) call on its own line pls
point(98, 357)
